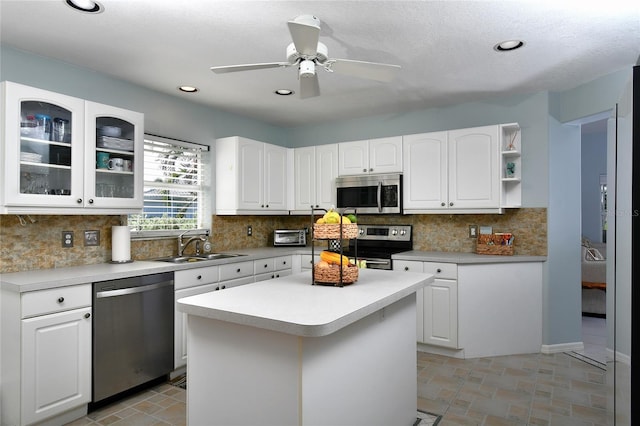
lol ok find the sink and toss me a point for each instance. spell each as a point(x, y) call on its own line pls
point(198, 258)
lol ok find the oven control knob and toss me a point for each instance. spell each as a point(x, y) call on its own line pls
point(361, 231)
point(394, 232)
point(403, 232)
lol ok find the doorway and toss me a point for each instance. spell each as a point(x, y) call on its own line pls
point(594, 225)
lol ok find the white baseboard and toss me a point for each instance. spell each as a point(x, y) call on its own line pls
point(562, 347)
point(438, 350)
point(620, 357)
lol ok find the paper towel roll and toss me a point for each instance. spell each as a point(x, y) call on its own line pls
point(120, 244)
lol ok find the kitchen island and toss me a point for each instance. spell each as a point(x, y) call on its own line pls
point(285, 352)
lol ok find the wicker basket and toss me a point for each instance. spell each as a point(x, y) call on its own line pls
point(331, 231)
point(492, 244)
point(331, 275)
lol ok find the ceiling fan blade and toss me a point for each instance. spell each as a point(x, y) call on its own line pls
point(309, 87)
point(370, 70)
point(305, 37)
point(249, 67)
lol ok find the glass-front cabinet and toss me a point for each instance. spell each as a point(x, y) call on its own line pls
point(63, 154)
point(114, 165)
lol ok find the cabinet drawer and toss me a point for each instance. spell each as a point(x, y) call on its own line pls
point(283, 262)
point(198, 276)
point(236, 270)
point(55, 300)
point(441, 270)
point(263, 266)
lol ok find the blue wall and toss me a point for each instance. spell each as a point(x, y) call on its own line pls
point(593, 164)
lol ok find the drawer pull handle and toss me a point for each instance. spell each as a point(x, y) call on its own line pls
point(238, 270)
point(199, 277)
point(265, 265)
point(438, 270)
point(60, 299)
point(87, 315)
point(79, 201)
point(223, 287)
point(406, 268)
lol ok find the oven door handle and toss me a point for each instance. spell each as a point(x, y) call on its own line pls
point(380, 196)
point(376, 262)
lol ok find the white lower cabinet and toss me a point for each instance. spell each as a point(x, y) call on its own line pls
point(437, 303)
point(46, 355)
point(267, 269)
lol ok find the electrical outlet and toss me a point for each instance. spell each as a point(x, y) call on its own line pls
point(67, 239)
point(473, 231)
point(249, 231)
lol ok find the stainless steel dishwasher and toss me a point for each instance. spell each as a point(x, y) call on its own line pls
point(132, 332)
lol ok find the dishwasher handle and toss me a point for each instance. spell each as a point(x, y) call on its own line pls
point(132, 290)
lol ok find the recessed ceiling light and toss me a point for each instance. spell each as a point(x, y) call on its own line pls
point(508, 45)
point(188, 89)
point(88, 6)
point(284, 92)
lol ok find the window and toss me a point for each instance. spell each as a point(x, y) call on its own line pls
point(175, 196)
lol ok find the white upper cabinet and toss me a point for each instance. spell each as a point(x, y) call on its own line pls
point(383, 155)
point(251, 177)
point(49, 152)
point(315, 170)
point(426, 179)
point(474, 176)
point(457, 171)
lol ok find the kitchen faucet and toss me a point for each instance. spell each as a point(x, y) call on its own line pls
point(182, 245)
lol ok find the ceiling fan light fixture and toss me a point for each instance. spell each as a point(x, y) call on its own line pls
point(88, 6)
point(188, 89)
point(284, 92)
point(508, 45)
point(307, 68)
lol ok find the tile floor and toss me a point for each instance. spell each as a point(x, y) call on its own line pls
point(533, 389)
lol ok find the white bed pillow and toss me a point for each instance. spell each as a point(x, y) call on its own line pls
point(593, 254)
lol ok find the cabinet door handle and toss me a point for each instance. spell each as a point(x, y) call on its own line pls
point(267, 205)
point(265, 265)
point(223, 287)
point(60, 299)
point(370, 170)
point(90, 200)
point(199, 277)
point(87, 315)
point(218, 288)
point(438, 270)
point(238, 270)
point(364, 170)
point(79, 201)
point(451, 204)
point(442, 204)
point(406, 268)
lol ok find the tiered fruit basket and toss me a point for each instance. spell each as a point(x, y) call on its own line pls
point(338, 271)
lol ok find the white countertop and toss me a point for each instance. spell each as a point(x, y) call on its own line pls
point(293, 305)
point(463, 258)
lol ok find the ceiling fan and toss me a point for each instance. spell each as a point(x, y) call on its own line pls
point(307, 53)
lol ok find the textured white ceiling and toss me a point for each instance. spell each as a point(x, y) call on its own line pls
point(444, 48)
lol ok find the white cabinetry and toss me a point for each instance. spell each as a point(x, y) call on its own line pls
point(268, 269)
point(511, 165)
point(383, 155)
point(251, 177)
point(460, 171)
point(46, 355)
point(315, 170)
point(52, 167)
point(437, 303)
point(189, 282)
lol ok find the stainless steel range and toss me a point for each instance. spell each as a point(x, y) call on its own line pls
point(376, 244)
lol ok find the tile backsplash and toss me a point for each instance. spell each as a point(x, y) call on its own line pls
point(36, 243)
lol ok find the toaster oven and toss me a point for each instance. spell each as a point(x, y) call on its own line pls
point(290, 237)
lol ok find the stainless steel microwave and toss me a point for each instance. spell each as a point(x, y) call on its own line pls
point(374, 194)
